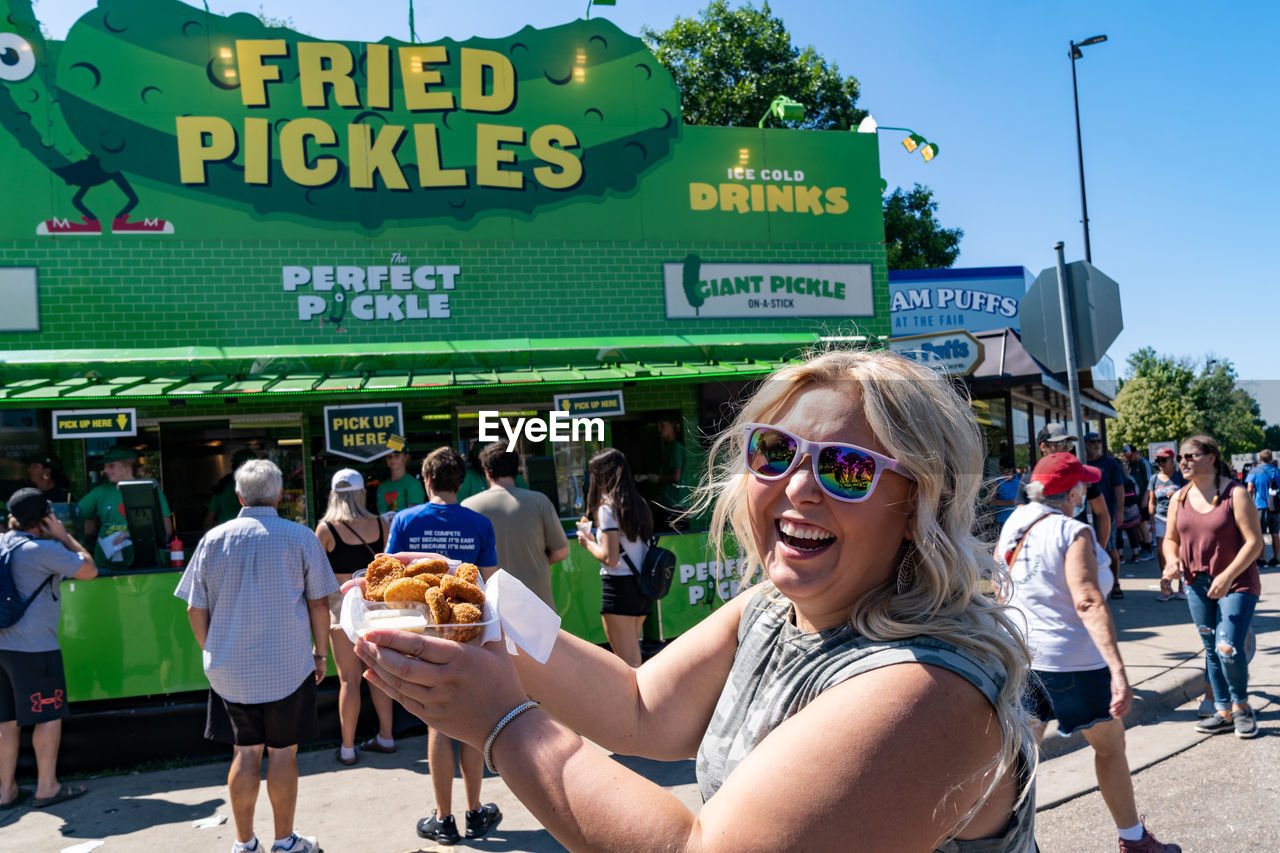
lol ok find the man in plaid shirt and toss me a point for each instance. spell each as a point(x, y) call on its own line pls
point(257, 594)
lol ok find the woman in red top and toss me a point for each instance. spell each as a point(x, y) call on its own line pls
point(1214, 539)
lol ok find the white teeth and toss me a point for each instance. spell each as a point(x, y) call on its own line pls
point(797, 532)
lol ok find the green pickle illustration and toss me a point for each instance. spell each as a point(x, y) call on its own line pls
point(152, 90)
point(31, 110)
point(690, 280)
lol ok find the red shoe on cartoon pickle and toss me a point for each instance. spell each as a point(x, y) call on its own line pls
point(86, 227)
point(122, 225)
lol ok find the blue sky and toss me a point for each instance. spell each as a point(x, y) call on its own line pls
point(1178, 110)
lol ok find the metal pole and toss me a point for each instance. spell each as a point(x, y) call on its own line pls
point(1065, 303)
point(1084, 205)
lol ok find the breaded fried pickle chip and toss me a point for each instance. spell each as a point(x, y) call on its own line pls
point(441, 612)
point(465, 614)
point(460, 590)
point(468, 572)
point(406, 589)
point(434, 566)
point(381, 572)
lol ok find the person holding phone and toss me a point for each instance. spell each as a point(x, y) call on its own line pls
point(33, 686)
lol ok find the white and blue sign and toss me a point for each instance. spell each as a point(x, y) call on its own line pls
point(976, 299)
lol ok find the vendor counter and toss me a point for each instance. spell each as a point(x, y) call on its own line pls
point(126, 634)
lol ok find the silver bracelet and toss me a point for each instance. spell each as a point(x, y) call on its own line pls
point(497, 730)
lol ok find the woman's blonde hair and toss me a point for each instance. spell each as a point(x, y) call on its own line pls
point(923, 422)
point(346, 507)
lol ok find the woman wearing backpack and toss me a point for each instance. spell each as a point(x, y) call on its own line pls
point(623, 524)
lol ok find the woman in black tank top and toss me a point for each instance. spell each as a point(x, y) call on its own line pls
point(352, 536)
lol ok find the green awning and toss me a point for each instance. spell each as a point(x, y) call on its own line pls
point(94, 377)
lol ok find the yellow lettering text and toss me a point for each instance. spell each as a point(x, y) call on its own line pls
point(548, 144)
point(254, 75)
point(368, 155)
point(202, 139)
point(418, 78)
point(490, 155)
point(321, 64)
point(293, 152)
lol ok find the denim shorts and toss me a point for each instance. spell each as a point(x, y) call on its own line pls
point(1076, 700)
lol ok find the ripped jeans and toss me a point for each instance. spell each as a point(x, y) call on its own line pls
point(1223, 624)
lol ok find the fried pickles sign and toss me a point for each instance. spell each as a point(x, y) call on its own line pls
point(345, 134)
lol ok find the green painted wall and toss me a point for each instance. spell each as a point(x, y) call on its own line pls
point(134, 294)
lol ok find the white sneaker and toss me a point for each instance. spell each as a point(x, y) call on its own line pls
point(297, 844)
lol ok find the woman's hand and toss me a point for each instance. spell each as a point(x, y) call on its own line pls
point(1172, 570)
point(1219, 587)
point(407, 557)
point(461, 689)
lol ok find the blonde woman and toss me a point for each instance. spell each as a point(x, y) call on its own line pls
point(868, 669)
point(351, 536)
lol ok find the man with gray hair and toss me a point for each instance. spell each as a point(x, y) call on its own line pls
point(257, 592)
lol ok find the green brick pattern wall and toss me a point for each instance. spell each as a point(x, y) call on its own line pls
point(137, 293)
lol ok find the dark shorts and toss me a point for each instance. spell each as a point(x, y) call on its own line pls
point(1076, 700)
point(33, 688)
point(283, 723)
point(1270, 521)
point(622, 596)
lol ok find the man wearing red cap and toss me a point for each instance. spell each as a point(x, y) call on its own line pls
point(1057, 577)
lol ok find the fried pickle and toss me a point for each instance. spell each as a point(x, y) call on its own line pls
point(441, 612)
point(424, 565)
point(467, 572)
point(460, 590)
point(406, 589)
point(465, 614)
point(381, 572)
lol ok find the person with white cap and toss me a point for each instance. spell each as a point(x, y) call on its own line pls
point(351, 536)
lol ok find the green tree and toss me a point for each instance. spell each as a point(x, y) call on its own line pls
point(731, 63)
point(1227, 412)
point(1167, 399)
point(914, 239)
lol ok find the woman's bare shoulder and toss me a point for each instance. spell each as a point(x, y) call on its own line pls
point(898, 740)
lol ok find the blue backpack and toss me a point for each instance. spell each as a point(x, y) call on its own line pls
point(13, 605)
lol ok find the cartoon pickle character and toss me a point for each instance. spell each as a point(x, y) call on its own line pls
point(29, 110)
point(337, 311)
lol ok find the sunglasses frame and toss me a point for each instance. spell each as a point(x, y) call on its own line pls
point(814, 449)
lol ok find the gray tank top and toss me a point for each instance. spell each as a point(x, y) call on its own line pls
point(778, 669)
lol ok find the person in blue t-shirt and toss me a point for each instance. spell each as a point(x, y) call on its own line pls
point(1262, 478)
point(443, 526)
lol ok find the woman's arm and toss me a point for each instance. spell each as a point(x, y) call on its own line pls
point(884, 741)
point(1081, 572)
point(1246, 519)
point(1171, 544)
point(325, 536)
point(658, 711)
point(605, 549)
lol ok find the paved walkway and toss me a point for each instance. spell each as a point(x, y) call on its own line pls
point(373, 807)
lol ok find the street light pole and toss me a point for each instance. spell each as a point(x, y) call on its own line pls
point(1075, 97)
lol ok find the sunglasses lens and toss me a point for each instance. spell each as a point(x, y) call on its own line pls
point(846, 472)
point(770, 452)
